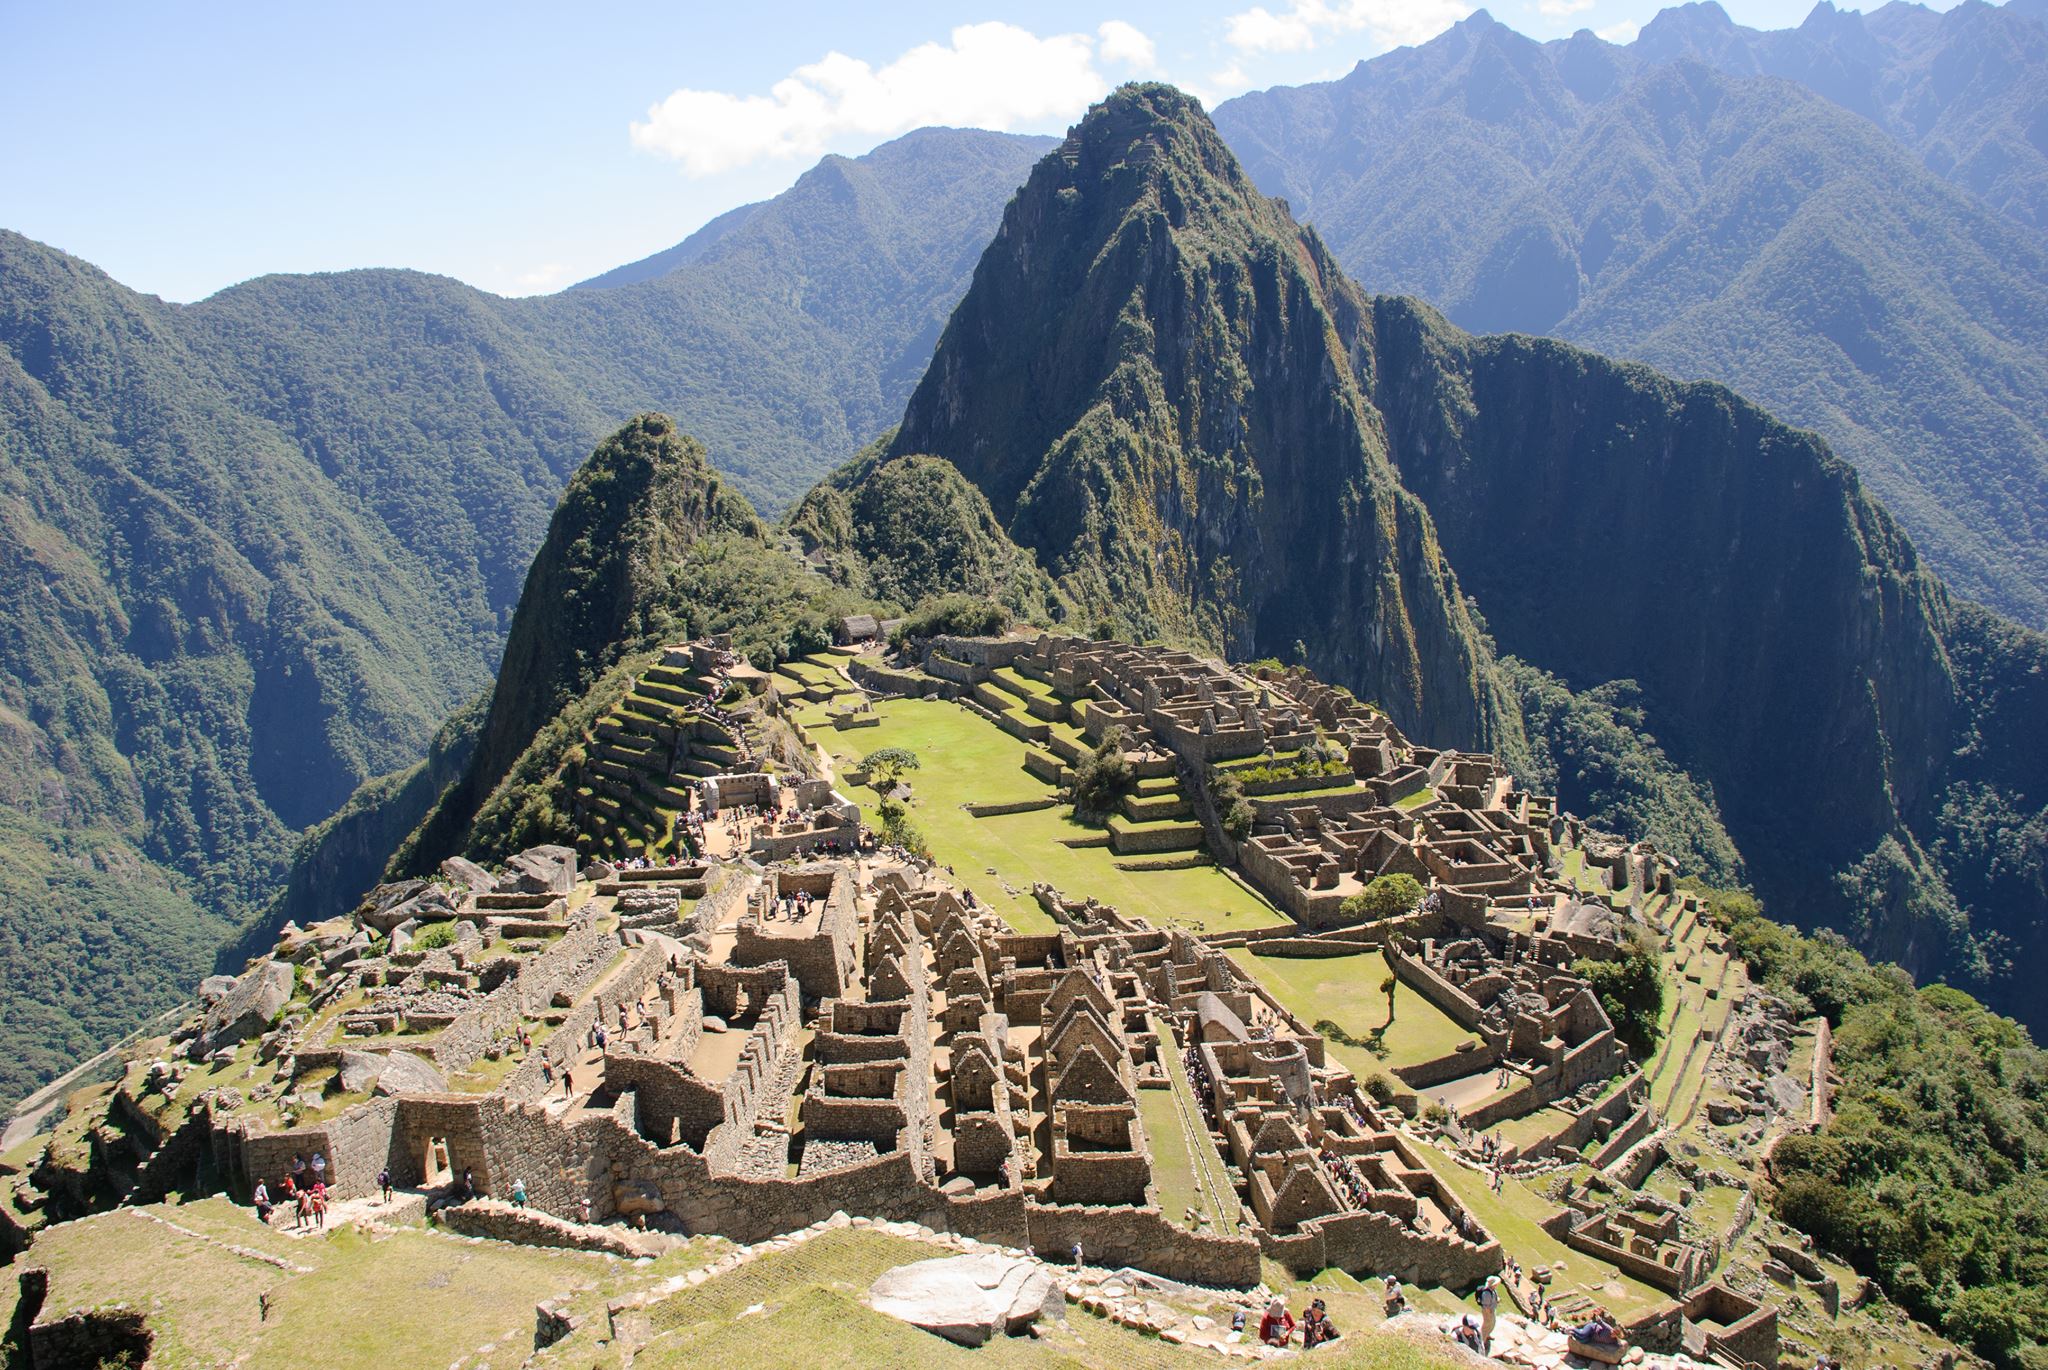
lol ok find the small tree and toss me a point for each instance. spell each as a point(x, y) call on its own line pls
point(1388, 896)
point(1387, 987)
point(1233, 810)
point(1104, 776)
point(885, 765)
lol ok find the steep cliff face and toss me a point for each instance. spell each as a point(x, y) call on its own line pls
point(1613, 524)
point(644, 496)
point(1153, 381)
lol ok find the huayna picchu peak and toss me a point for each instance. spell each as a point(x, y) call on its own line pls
point(1065, 783)
point(1154, 379)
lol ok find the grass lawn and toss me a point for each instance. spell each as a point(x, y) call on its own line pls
point(1533, 1127)
point(1346, 990)
point(966, 759)
point(411, 1297)
point(1513, 1215)
point(1183, 1153)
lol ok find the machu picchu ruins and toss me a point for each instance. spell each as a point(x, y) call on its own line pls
point(743, 999)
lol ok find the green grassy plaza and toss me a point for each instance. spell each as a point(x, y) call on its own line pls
point(1346, 990)
point(966, 759)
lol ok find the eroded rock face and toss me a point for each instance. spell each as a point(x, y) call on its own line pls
point(967, 1299)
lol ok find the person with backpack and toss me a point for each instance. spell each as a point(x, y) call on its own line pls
point(1489, 1306)
point(384, 1183)
point(263, 1205)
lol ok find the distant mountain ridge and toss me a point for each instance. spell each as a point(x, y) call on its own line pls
point(257, 548)
point(1645, 202)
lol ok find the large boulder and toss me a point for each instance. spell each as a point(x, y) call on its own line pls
point(359, 1070)
point(469, 874)
point(540, 870)
point(248, 1008)
point(390, 905)
point(967, 1299)
point(405, 1073)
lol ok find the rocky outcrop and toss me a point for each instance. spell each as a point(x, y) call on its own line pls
point(968, 1299)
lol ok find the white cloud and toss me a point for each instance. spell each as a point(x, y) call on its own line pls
point(1624, 32)
point(1128, 45)
point(541, 278)
point(991, 75)
point(1305, 23)
point(1560, 9)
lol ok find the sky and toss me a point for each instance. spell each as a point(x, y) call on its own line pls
point(183, 147)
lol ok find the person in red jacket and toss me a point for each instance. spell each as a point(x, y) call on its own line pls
point(1277, 1325)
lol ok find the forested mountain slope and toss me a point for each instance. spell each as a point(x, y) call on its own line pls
point(258, 548)
point(1737, 228)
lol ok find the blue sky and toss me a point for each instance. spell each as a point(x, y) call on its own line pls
point(521, 147)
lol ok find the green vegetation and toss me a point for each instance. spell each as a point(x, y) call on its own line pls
point(1928, 1177)
point(889, 761)
point(914, 530)
point(1233, 810)
point(1062, 389)
point(1593, 751)
point(1631, 991)
point(1103, 776)
point(348, 1299)
point(957, 615)
point(435, 935)
point(255, 550)
point(1388, 896)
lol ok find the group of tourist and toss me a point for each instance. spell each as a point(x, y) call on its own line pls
point(303, 1189)
point(642, 863)
point(1201, 1086)
point(793, 908)
point(1277, 1326)
point(1344, 1176)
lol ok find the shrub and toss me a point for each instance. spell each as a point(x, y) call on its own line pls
point(1104, 776)
point(898, 829)
point(1233, 810)
point(435, 935)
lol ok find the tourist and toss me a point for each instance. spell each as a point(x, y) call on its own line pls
point(319, 1168)
point(1276, 1328)
point(1468, 1333)
point(583, 1209)
point(1489, 1307)
point(384, 1183)
point(299, 1166)
point(320, 1205)
point(262, 1201)
point(1316, 1327)
point(519, 1193)
point(1077, 1256)
point(1394, 1298)
point(304, 1208)
point(468, 1184)
point(1597, 1330)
